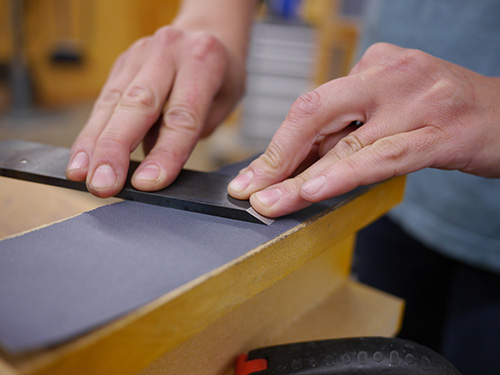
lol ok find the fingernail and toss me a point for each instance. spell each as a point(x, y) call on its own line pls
point(241, 182)
point(150, 172)
point(314, 185)
point(268, 197)
point(79, 161)
point(104, 177)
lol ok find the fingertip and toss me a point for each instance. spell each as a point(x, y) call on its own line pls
point(104, 181)
point(150, 177)
point(238, 187)
point(78, 166)
point(277, 201)
point(76, 175)
point(259, 175)
point(263, 201)
point(267, 197)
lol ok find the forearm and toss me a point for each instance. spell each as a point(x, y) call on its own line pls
point(229, 20)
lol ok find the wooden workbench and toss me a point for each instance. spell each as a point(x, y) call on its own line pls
point(292, 288)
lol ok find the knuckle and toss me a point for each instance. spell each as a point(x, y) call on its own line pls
point(181, 118)
point(296, 182)
point(138, 46)
point(110, 141)
point(272, 161)
point(410, 61)
point(375, 50)
point(416, 59)
point(305, 105)
point(139, 97)
point(374, 54)
point(389, 150)
point(432, 135)
point(204, 45)
point(108, 98)
point(167, 35)
point(348, 145)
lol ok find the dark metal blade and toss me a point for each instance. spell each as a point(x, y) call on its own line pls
point(192, 191)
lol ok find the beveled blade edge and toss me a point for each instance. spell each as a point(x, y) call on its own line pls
point(264, 219)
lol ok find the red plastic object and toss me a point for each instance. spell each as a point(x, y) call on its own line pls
point(246, 367)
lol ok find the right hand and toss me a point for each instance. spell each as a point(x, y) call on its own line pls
point(189, 80)
point(417, 111)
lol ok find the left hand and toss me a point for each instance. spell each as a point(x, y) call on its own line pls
point(168, 90)
point(417, 111)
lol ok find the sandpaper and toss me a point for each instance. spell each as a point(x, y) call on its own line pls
point(65, 279)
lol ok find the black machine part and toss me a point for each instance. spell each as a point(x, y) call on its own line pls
point(350, 356)
point(192, 191)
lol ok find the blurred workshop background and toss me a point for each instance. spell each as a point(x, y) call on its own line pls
point(55, 56)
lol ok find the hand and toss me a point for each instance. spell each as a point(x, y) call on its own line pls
point(189, 80)
point(417, 111)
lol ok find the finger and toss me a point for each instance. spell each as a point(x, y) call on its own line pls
point(391, 156)
point(310, 159)
point(284, 197)
point(138, 109)
point(280, 199)
point(322, 146)
point(199, 77)
point(324, 111)
point(332, 140)
point(293, 194)
point(122, 73)
point(265, 199)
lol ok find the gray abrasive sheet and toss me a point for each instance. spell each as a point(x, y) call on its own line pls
point(63, 280)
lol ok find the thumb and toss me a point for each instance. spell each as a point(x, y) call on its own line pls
point(288, 148)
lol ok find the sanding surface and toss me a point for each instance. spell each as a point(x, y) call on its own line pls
point(68, 278)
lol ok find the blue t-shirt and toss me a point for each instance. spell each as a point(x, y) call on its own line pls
point(455, 213)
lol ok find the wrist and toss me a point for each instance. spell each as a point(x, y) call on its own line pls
point(228, 20)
